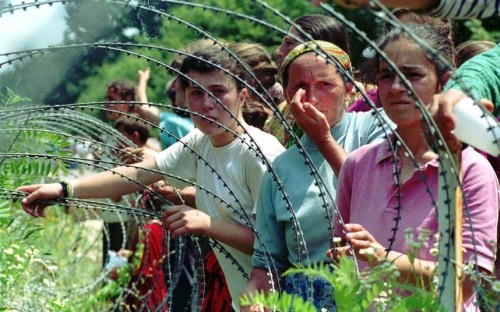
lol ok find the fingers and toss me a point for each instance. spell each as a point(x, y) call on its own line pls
point(31, 203)
point(177, 228)
point(313, 112)
point(336, 253)
point(297, 102)
point(441, 110)
point(173, 221)
point(488, 105)
point(172, 210)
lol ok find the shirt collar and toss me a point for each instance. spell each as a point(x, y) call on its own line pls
point(385, 154)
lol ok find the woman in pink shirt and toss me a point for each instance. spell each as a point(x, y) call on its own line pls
point(376, 210)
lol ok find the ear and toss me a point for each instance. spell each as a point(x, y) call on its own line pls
point(243, 95)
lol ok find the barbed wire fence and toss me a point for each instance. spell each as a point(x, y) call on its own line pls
point(27, 151)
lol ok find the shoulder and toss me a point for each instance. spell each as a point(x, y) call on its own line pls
point(368, 154)
point(368, 121)
point(475, 163)
point(266, 142)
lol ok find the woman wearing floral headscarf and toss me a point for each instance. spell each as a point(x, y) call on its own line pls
point(293, 222)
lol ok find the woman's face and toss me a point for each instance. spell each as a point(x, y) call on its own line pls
point(323, 85)
point(409, 58)
point(223, 87)
point(286, 46)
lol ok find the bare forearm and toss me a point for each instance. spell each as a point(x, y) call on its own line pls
point(422, 271)
point(234, 235)
point(116, 182)
point(412, 273)
point(260, 280)
point(333, 153)
point(150, 113)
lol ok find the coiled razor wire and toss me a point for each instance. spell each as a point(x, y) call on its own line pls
point(14, 120)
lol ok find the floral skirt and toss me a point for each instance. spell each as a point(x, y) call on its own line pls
point(313, 289)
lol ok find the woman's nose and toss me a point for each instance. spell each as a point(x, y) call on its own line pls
point(311, 96)
point(209, 102)
point(398, 84)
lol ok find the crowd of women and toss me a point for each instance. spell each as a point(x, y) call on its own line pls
point(362, 174)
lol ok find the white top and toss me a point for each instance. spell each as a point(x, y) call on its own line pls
point(236, 168)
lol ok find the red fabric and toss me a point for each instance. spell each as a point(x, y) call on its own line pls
point(217, 297)
point(148, 282)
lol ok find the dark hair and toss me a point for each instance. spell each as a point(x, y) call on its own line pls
point(124, 88)
point(210, 59)
point(255, 113)
point(190, 48)
point(326, 28)
point(171, 93)
point(259, 61)
point(469, 49)
point(129, 124)
point(436, 39)
point(444, 25)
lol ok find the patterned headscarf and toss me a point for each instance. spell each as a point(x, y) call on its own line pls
point(320, 48)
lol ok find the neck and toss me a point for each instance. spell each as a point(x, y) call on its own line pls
point(227, 137)
point(415, 141)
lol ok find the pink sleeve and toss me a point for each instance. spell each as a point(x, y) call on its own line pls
point(481, 190)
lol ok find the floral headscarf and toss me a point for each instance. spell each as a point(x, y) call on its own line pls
point(320, 48)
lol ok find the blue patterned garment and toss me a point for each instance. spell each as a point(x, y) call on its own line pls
point(322, 290)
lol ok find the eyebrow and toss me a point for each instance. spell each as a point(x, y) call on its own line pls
point(387, 67)
point(192, 85)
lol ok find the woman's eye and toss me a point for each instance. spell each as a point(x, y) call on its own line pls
point(196, 92)
point(217, 92)
point(385, 77)
point(412, 75)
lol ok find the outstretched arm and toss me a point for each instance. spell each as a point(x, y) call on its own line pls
point(113, 183)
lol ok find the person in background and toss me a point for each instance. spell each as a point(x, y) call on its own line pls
point(137, 132)
point(147, 287)
point(175, 124)
point(315, 90)
point(121, 96)
point(256, 112)
point(370, 210)
point(468, 49)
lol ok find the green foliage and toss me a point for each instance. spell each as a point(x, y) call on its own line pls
point(377, 290)
point(283, 302)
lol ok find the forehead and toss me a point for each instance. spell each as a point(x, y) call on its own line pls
point(405, 53)
point(310, 62)
point(292, 32)
point(209, 79)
